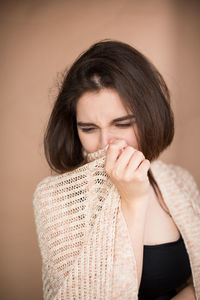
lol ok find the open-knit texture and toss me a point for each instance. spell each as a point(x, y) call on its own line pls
point(83, 237)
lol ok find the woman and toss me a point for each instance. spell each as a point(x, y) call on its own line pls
point(116, 223)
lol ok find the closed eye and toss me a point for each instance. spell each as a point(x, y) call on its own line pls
point(124, 125)
point(88, 129)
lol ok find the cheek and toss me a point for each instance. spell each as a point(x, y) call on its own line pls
point(87, 141)
point(131, 139)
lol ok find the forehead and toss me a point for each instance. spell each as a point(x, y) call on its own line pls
point(105, 104)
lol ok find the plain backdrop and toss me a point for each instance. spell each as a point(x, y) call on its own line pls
point(39, 39)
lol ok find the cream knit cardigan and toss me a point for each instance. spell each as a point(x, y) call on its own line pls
point(83, 237)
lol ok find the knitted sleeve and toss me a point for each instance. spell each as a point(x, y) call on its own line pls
point(188, 185)
point(43, 211)
point(182, 197)
point(75, 216)
point(189, 220)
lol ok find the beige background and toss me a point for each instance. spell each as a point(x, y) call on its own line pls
point(38, 40)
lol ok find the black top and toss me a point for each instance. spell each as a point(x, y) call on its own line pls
point(165, 267)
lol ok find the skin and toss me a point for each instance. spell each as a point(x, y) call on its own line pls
point(100, 109)
point(100, 123)
point(103, 121)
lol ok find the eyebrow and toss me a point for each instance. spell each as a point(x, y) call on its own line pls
point(124, 118)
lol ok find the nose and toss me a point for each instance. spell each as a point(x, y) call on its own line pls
point(104, 139)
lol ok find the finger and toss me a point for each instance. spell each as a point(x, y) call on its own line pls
point(113, 153)
point(144, 168)
point(135, 161)
point(123, 159)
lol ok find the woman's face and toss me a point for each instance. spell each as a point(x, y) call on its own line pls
point(101, 118)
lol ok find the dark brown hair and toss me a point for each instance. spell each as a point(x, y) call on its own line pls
point(115, 65)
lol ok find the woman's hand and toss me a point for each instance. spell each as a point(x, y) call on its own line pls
point(127, 169)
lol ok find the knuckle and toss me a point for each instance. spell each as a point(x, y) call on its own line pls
point(117, 144)
point(147, 162)
point(115, 175)
point(139, 177)
point(113, 146)
point(140, 154)
point(122, 143)
point(130, 149)
point(128, 178)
